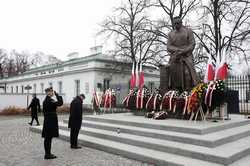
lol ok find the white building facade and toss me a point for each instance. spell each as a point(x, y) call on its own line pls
point(71, 78)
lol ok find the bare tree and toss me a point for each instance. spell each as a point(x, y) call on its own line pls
point(128, 25)
point(3, 57)
point(226, 27)
point(179, 8)
point(14, 62)
point(20, 61)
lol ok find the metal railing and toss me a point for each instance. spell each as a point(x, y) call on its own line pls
point(240, 88)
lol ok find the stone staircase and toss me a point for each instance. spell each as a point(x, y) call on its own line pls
point(165, 142)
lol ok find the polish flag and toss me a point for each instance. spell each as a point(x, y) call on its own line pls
point(132, 79)
point(222, 69)
point(210, 71)
point(137, 75)
point(141, 78)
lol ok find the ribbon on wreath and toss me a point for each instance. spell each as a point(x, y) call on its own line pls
point(209, 94)
point(185, 106)
point(170, 100)
point(107, 100)
point(95, 100)
point(127, 98)
point(165, 95)
point(155, 98)
point(139, 99)
point(149, 100)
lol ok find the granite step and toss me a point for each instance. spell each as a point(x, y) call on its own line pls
point(220, 154)
point(182, 126)
point(208, 140)
point(134, 152)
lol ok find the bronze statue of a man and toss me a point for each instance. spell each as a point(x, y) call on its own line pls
point(182, 75)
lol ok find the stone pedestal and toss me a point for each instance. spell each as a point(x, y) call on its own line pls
point(139, 113)
point(220, 112)
point(164, 78)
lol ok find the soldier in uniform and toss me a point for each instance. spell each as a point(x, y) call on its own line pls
point(50, 124)
point(180, 46)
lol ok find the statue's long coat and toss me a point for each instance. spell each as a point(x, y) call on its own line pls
point(182, 72)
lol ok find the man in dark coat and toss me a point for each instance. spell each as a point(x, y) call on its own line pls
point(75, 120)
point(35, 106)
point(50, 124)
point(180, 46)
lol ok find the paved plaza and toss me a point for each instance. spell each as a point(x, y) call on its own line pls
point(21, 147)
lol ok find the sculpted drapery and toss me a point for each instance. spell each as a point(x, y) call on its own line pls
point(180, 45)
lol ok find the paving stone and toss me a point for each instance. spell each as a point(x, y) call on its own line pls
point(21, 147)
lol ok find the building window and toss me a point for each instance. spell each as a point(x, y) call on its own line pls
point(16, 89)
point(86, 87)
point(42, 88)
point(77, 87)
point(50, 84)
point(106, 84)
point(12, 89)
point(60, 69)
point(34, 88)
point(99, 86)
point(60, 87)
point(22, 89)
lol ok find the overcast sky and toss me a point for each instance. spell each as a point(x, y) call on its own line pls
point(56, 27)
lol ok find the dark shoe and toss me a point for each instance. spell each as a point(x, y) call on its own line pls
point(30, 123)
point(38, 124)
point(53, 156)
point(76, 147)
point(49, 156)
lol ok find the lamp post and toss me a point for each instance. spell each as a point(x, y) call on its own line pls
point(3, 87)
point(28, 87)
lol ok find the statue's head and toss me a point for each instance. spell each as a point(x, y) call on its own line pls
point(177, 21)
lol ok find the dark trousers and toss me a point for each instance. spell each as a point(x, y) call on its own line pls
point(32, 119)
point(47, 145)
point(74, 136)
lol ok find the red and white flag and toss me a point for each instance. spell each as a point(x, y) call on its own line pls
point(141, 78)
point(137, 75)
point(210, 71)
point(222, 69)
point(132, 79)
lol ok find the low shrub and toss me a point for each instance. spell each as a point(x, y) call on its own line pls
point(12, 110)
point(63, 109)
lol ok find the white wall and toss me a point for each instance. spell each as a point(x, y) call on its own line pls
point(19, 100)
point(89, 73)
point(68, 85)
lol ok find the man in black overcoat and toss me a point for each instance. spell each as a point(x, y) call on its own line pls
point(75, 120)
point(34, 106)
point(50, 124)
